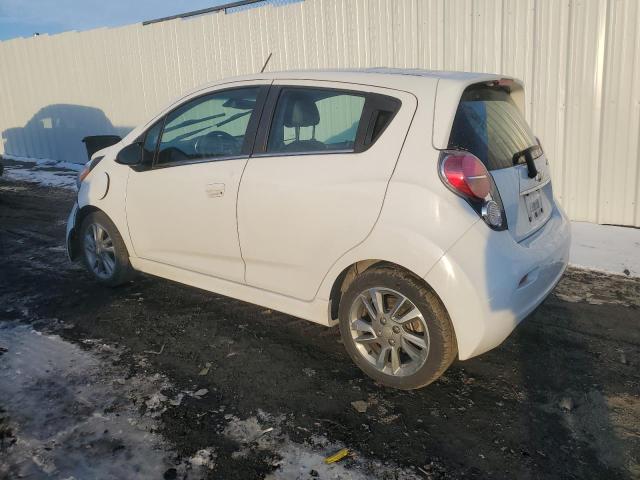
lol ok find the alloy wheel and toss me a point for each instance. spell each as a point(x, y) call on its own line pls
point(100, 252)
point(389, 331)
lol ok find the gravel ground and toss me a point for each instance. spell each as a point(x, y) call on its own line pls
point(201, 379)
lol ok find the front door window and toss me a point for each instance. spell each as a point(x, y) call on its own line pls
point(209, 127)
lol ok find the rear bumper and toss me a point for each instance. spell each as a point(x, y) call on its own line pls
point(489, 282)
point(70, 242)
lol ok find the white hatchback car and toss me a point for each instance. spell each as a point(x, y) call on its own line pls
point(413, 208)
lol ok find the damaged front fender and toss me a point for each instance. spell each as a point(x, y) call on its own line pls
point(72, 231)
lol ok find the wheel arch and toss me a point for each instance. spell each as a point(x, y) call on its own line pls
point(73, 241)
point(349, 273)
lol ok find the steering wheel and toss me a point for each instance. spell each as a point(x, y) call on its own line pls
point(217, 143)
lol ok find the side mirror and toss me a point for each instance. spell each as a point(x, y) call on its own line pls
point(130, 155)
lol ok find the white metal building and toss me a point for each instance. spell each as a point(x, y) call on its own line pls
point(580, 61)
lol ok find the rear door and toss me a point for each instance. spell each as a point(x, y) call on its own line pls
point(315, 185)
point(489, 124)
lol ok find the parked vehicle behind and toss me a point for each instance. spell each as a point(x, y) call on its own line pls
point(413, 208)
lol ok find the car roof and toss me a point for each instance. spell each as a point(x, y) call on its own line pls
point(399, 78)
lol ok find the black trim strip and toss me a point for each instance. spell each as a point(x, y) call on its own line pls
point(200, 160)
point(202, 11)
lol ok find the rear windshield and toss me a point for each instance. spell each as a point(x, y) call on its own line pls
point(489, 125)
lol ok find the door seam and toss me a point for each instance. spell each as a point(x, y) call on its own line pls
point(246, 163)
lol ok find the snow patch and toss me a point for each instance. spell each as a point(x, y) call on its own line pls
point(302, 461)
point(72, 414)
point(598, 288)
point(204, 458)
point(605, 248)
point(46, 162)
point(47, 178)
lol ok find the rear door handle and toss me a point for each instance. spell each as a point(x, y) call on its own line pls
point(215, 190)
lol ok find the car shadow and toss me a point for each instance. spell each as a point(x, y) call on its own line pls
point(56, 132)
point(550, 400)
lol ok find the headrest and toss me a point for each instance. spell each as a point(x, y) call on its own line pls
point(301, 111)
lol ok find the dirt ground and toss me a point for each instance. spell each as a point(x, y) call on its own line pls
point(559, 399)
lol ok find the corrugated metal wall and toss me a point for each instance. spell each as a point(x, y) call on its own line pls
point(580, 60)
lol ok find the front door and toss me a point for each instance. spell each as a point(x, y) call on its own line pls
point(181, 211)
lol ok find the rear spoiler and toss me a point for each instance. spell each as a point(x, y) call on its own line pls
point(448, 94)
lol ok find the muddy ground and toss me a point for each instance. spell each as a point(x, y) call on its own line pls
point(559, 399)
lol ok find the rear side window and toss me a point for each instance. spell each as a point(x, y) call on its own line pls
point(310, 119)
point(489, 124)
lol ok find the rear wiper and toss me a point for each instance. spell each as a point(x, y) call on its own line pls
point(527, 153)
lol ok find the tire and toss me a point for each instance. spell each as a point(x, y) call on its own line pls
point(109, 264)
point(424, 341)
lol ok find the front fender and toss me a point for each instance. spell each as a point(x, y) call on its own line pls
point(105, 189)
point(71, 234)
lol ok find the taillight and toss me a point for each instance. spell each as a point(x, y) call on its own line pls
point(465, 175)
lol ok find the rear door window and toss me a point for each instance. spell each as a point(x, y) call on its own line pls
point(315, 119)
point(489, 125)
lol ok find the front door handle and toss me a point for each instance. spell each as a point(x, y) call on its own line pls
point(215, 190)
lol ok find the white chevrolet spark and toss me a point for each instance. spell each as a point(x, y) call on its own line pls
point(412, 208)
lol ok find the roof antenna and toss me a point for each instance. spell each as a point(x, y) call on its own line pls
point(266, 63)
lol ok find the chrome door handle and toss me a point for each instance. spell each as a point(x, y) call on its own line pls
point(215, 190)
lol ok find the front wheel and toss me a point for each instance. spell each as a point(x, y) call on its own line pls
point(104, 253)
point(396, 329)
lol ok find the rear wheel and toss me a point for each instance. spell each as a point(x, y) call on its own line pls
point(104, 253)
point(396, 329)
